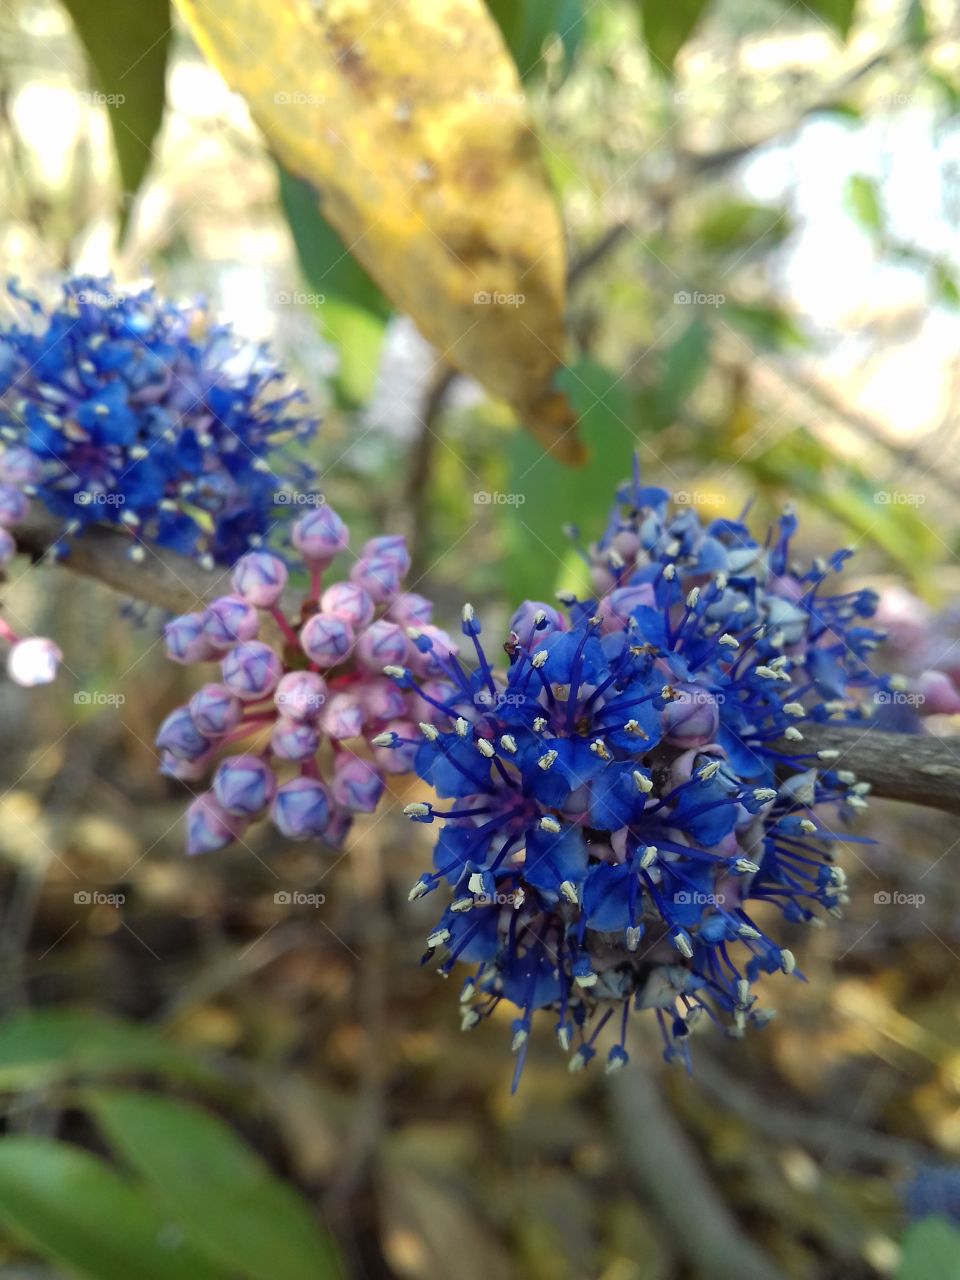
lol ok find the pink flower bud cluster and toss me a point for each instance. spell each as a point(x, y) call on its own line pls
point(31, 660)
point(287, 727)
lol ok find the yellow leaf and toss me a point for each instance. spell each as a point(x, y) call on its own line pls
point(409, 119)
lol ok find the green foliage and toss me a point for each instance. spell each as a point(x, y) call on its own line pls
point(667, 26)
point(683, 366)
point(350, 308)
point(527, 25)
point(537, 549)
point(127, 45)
point(55, 1045)
point(838, 14)
point(931, 1251)
point(75, 1210)
point(242, 1216)
point(863, 201)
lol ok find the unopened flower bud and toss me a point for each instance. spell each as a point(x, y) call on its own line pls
point(294, 739)
point(350, 602)
point(357, 785)
point(230, 620)
point(301, 809)
point(301, 695)
point(244, 785)
point(251, 670)
point(382, 644)
point(215, 710)
point(326, 639)
point(320, 536)
point(260, 578)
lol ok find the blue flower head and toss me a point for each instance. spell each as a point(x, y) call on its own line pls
point(146, 415)
point(624, 804)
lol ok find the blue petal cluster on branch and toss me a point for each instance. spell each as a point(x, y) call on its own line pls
point(621, 821)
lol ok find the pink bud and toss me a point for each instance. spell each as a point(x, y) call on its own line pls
point(215, 710)
point(692, 718)
point(343, 716)
point(251, 671)
point(326, 639)
point(260, 578)
point(398, 759)
point(209, 826)
point(388, 546)
point(320, 536)
point(179, 736)
point(616, 608)
point(301, 809)
point(357, 785)
point(301, 695)
point(383, 644)
point(294, 739)
point(426, 661)
point(348, 601)
point(229, 621)
point(382, 700)
point(244, 785)
point(14, 505)
point(33, 661)
point(186, 641)
point(19, 467)
point(380, 576)
point(410, 610)
point(8, 547)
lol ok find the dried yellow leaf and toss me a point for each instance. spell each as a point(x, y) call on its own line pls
point(409, 119)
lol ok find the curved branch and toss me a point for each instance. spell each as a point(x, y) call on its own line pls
point(916, 767)
point(163, 578)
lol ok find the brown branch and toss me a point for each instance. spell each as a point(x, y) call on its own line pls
point(667, 1173)
point(919, 768)
point(162, 577)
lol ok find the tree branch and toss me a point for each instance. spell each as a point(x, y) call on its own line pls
point(162, 577)
point(916, 767)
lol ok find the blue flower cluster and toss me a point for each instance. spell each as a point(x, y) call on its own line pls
point(146, 415)
point(630, 801)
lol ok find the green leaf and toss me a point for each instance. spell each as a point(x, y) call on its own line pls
point(931, 1251)
point(916, 29)
point(350, 308)
point(946, 289)
point(667, 26)
point(835, 13)
point(863, 201)
point(527, 24)
point(539, 555)
point(74, 1209)
point(127, 45)
point(229, 1201)
point(44, 1047)
point(767, 327)
point(682, 369)
point(734, 223)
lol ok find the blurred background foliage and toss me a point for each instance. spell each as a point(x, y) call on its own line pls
point(760, 203)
